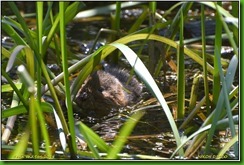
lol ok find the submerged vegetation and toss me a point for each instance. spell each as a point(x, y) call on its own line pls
point(152, 45)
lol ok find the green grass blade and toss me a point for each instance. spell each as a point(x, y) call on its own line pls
point(217, 47)
point(181, 73)
point(71, 69)
point(14, 111)
point(123, 134)
point(39, 6)
point(235, 12)
point(20, 109)
point(66, 78)
point(12, 84)
point(94, 142)
point(92, 136)
point(194, 93)
point(205, 72)
point(48, 18)
point(93, 61)
point(194, 111)
point(39, 25)
point(6, 26)
point(176, 21)
point(146, 77)
point(30, 62)
point(135, 37)
point(20, 148)
point(29, 83)
point(139, 21)
point(23, 25)
point(58, 108)
point(43, 127)
point(116, 25)
point(33, 126)
point(153, 6)
point(6, 54)
point(8, 88)
point(70, 12)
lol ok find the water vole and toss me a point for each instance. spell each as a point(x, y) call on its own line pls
point(106, 89)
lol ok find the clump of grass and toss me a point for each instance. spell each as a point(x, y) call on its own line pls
point(30, 49)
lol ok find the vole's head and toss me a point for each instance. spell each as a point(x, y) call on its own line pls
point(100, 93)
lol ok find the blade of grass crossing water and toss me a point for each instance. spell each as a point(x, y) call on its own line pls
point(95, 140)
point(20, 148)
point(123, 134)
point(146, 77)
point(88, 137)
point(227, 147)
point(171, 43)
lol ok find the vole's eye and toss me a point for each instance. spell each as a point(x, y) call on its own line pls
point(83, 96)
point(100, 89)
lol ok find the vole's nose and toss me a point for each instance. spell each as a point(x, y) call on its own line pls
point(82, 96)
